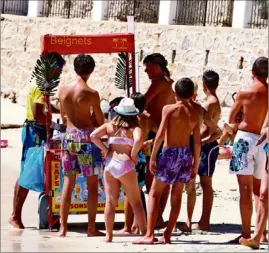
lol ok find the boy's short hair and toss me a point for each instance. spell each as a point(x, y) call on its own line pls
point(260, 67)
point(211, 79)
point(139, 101)
point(84, 64)
point(184, 88)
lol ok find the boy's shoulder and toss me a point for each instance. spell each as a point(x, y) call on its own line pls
point(170, 108)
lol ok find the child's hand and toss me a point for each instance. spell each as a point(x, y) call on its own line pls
point(146, 145)
point(193, 172)
point(263, 136)
point(106, 152)
point(153, 166)
point(134, 159)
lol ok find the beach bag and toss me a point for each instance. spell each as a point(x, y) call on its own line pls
point(32, 174)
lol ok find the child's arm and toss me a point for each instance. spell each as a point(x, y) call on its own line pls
point(138, 142)
point(196, 150)
point(224, 138)
point(96, 136)
point(159, 138)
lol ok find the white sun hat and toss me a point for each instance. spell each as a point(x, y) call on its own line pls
point(126, 107)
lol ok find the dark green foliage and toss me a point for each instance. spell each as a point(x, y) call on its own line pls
point(121, 81)
point(47, 74)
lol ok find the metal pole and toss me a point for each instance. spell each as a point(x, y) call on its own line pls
point(127, 74)
point(131, 29)
point(134, 81)
point(204, 22)
point(3, 6)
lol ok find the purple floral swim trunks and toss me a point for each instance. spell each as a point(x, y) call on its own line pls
point(174, 165)
point(80, 155)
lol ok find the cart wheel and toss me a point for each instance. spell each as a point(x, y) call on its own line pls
point(43, 211)
point(40, 195)
point(43, 214)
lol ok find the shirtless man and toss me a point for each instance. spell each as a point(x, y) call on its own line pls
point(176, 165)
point(209, 141)
point(248, 159)
point(262, 212)
point(158, 95)
point(80, 109)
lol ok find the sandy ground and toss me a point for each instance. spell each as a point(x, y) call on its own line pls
point(225, 216)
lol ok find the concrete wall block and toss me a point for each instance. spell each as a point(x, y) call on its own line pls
point(226, 46)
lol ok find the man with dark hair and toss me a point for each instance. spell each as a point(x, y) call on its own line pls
point(177, 164)
point(262, 209)
point(81, 112)
point(248, 158)
point(158, 95)
point(33, 133)
point(209, 142)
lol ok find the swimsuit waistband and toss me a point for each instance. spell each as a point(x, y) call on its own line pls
point(242, 132)
point(77, 130)
point(108, 159)
point(181, 147)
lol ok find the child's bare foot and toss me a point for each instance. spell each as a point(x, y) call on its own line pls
point(109, 238)
point(166, 239)
point(62, 232)
point(199, 226)
point(135, 230)
point(236, 240)
point(263, 239)
point(145, 240)
point(15, 223)
point(92, 233)
point(124, 231)
point(185, 228)
point(250, 243)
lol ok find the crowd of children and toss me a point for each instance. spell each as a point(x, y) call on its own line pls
point(184, 139)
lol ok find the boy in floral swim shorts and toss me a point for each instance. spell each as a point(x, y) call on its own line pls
point(176, 165)
point(81, 112)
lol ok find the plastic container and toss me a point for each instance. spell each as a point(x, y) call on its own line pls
point(4, 143)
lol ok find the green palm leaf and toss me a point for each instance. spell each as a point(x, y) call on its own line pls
point(121, 81)
point(47, 74)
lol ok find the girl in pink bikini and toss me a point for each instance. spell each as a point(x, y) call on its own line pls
point(124, 142)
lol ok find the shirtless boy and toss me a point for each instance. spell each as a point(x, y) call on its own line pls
point(191, 186)
point(248, 159)
point(80, 109)
point(158, 95)
point(176, 165)
point(209, 141)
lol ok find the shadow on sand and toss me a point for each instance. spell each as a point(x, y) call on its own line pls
point(215, 228)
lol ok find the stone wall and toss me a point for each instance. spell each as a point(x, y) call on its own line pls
point(20, 48)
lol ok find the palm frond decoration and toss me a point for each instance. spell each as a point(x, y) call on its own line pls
point(121, 80)
point(47, 74)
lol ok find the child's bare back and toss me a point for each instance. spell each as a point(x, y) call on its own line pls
point(181, 120)
point(78, 103)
